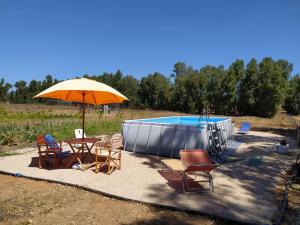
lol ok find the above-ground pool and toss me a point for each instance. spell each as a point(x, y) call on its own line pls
point(166, 136)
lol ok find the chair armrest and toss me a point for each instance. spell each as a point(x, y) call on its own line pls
point(54, 149)
point(51, 150)
point(206, 164)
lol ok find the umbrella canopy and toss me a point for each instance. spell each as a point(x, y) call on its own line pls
point(83, 91)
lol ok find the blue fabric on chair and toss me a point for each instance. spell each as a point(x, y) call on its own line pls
point(245, 127)
point(64, 154)
point(50, 140)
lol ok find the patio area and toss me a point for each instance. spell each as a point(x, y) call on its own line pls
point(243, 186)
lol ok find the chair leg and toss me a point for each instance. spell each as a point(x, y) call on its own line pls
point(211, 182)
point(183, 182)
point(108, 166)
point(40, 162)
point(55, 160)
point(97, 166)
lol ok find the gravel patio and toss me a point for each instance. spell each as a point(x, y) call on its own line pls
point(243, 186)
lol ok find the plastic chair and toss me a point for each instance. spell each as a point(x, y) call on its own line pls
point(78, 133)
point(245, 128)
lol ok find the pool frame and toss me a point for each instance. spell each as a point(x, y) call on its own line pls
point(163, 139)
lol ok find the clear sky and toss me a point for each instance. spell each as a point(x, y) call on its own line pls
point(67, 38)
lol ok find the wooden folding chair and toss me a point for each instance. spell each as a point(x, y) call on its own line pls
point(108, 152)
point(48, 152)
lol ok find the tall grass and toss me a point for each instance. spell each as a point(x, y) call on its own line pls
point(7, 116)
point(15, 134)
point(20, 124)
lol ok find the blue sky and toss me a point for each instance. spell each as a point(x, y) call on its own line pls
point(68, 38)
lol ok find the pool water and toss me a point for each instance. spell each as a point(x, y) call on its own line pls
point(182, 120)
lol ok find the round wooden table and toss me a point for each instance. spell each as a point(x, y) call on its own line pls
point(84, 147)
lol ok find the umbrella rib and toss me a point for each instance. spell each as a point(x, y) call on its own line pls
point(67, 95)
point(94, 98)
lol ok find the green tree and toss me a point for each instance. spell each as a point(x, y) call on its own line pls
point(247, 88)
point(292, 101)
point(34, 88)
point(129, 86)
point(48, 82)
point(4, 88)
point(189, 94)
point(110, 79)
point(21, 92)
point(154, 91)
point(268, 92)
point(231, 88)
point(214, 76)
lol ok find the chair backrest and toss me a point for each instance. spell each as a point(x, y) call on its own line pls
point(78, 133)
point(41, 144)
point(116, 141)
point(50, 141)
point(196, 160)
point(40, 140)
point(245, 125)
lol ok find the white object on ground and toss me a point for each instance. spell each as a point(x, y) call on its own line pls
point(281, 148)
point(76, 166)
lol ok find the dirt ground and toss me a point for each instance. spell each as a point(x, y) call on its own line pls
point(25, 201)
point(292, 214)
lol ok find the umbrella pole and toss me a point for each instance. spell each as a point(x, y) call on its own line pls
point(83, 114)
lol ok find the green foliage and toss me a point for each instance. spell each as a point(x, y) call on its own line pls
point(4, 87)
point(129, 86)
point(247, 87)
point(258, 90)
point(35, 115)
point(154, 91)
point(190, 94)
point(231, 88)
point(215, 76)
point(269, 91)
point(292, 101)
point(14, 134)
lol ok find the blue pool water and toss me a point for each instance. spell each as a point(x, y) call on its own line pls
point(181, 120)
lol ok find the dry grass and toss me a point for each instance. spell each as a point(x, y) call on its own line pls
point(36, 107)
point(62, 117)
point(281, 121)
point(297, 118)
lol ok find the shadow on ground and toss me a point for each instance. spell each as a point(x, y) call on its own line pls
point(255, 180)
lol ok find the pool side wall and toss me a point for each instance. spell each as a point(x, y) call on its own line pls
point(167, 139)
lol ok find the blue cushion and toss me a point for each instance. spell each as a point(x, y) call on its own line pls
point(245, 127)
point(64, 154)
point(50, 141)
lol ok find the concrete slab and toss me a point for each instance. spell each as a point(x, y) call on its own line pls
point(243, 192)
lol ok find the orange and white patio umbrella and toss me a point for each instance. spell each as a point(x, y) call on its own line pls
point(85, 91)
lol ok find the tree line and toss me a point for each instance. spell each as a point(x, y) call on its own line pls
point(255, 88)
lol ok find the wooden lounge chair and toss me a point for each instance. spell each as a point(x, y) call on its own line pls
point(191, 162)
point(108, 152)
point(48, 150)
